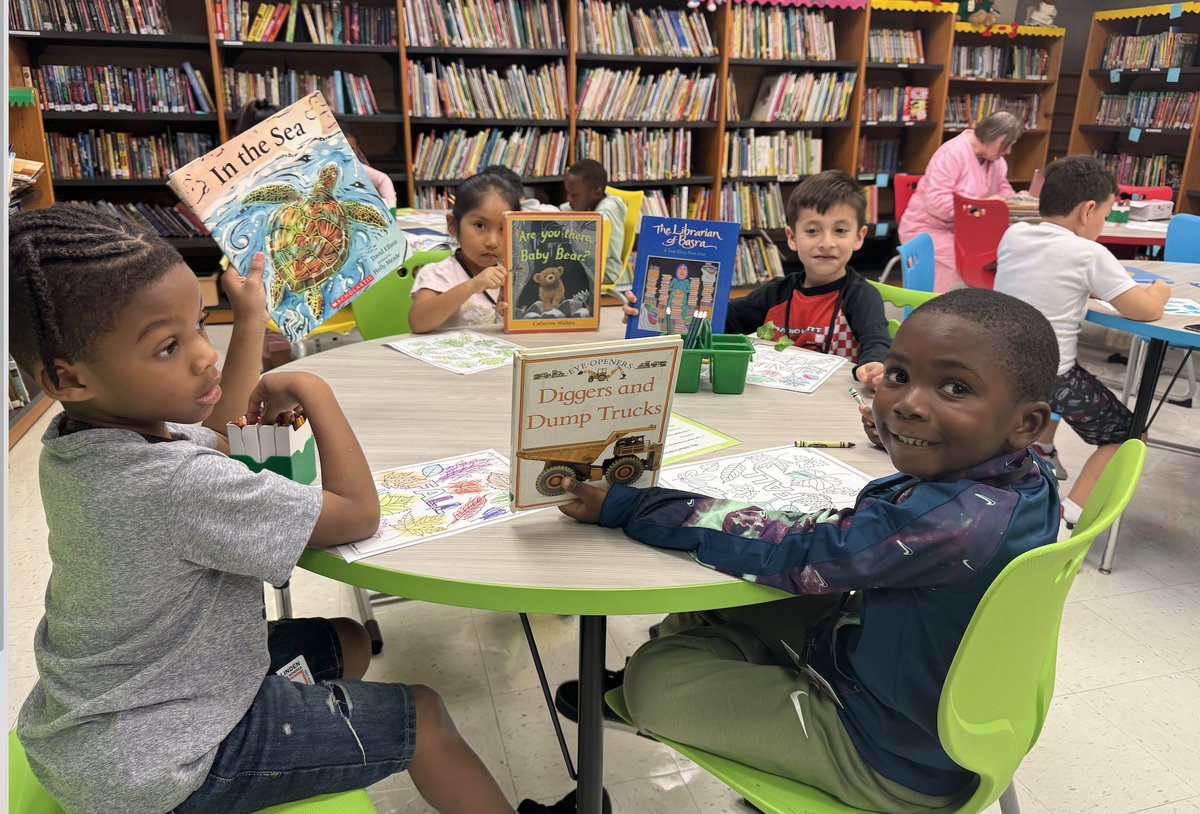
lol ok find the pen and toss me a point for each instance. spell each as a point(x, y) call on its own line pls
point(826, 444)
point(854, 395)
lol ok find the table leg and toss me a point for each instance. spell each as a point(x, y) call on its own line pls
point(592, 634)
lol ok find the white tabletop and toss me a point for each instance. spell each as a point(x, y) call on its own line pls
point(1171, 326)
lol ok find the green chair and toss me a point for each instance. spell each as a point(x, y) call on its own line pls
point(382, 310)
point(997, 692)
point(26, 795)
point(901, 298)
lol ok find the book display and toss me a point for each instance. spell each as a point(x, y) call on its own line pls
point(556, 265)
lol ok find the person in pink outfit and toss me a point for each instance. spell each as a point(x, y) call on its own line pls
point(972, 164)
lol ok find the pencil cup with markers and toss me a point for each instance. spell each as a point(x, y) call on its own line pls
point(727, 355)
point(288, 449)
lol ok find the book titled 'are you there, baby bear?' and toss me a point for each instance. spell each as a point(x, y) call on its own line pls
point(292, 188)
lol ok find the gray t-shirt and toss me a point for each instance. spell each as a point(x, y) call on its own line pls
point(154, 641)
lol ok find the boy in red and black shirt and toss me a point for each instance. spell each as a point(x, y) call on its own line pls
point(827, 307)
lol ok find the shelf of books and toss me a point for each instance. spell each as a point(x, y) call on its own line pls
point(1137, 108)
point(1007, 67)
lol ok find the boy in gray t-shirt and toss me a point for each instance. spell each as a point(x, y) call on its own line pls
point(158, 688)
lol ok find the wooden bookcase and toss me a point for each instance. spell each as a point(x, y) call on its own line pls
point(1184, 143)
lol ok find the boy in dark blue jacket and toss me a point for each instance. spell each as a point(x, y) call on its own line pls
point(841, 690)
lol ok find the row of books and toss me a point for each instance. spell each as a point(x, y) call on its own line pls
point(110, 16)
point(1144, 170)
point(18, 393)
point(755, 206)
point(638, 155)
point(617, 28)
point(324, 21)
point(162, 219)
point(999, 62)
point(757, 261)
point(967, 110)
point(1148, 109)
point(459, 154)
point(1167, 49)
point(781, 32)
point(104, 154)
point(346, 93)
point(804, 97)
point(878, 155)
point(484, 24)
point(677, 202)
point(454, 90)
point(774, 152)
point(619, 95)
point(871, 191)
point(895, 45)
point(116, 89)
point(897, 104)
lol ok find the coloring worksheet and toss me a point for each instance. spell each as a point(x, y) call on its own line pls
point(689, 439)
point(1178, 305)
point(458, 351)
point(780, 478)
point(791, 368)
point(433, 499)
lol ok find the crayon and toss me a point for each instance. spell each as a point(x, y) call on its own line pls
point(825, 444)
point(854, 394)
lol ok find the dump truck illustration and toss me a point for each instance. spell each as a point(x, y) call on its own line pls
point(632, 456)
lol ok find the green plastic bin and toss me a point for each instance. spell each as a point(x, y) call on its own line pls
point(728, 359)
point(299, 466)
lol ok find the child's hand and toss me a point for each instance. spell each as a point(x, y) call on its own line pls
point(1161, 289)
point(281, 394)
point(629, 307)
point(868, 420)
point(870, 374)
point(246, 293)
point(490, 277)
point(587, 503)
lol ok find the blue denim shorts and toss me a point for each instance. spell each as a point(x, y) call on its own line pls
point(298, 741)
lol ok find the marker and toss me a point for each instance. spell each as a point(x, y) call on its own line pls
point(825, 444)
point(854, 394)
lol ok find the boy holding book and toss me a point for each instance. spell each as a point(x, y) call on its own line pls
point(585, 185)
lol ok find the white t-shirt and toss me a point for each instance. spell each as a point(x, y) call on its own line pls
point(443, 276)
point(1055, 270)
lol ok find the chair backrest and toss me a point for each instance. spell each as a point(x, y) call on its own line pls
point(1183, 240)
point(978, 226)
point(905, 298)
point(25, 793)
point(633, 198)
point(903, 187)
point(382, 310)
point(1137, 193)
point(916, 263)
point(998, 690)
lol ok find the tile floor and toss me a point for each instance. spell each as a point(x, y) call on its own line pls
point(1123, 734)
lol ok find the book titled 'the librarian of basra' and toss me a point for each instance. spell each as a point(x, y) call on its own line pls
point(292, 188)
point(592, 412)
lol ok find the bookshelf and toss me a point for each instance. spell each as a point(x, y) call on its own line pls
point(1131, 54)
point(1013, 67)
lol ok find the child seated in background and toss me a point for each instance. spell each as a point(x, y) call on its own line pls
point(827, 307)
point(585, 185)
point(1055, 265)
point(841, 691)
point(467, 288)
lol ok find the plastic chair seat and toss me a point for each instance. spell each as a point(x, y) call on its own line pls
point(978, 226)
point(633, 198)
point(905, 298)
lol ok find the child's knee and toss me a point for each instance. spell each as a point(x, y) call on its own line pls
point(356, 646)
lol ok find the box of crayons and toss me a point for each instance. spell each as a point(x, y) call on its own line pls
point(288, 448)
point(728, 357)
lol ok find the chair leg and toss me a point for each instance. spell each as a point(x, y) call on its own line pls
point(1008, 800)
point(887, 270)
point(283, 600)
point(1189, 378)
point(369, 622)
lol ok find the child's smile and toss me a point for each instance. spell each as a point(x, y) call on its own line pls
point(825, 242)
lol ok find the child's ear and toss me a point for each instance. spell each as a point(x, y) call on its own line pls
point(69, 387)
point(451, 225)
point(1030, 420)
point(791, 237)
point(1086, 210)
point(862, 235)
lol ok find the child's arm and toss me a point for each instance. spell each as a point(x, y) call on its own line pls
point(1143, 304)
point(243, 361)
point(745, 315)
point(864, 312)
point(350, 504)
point(431, 308)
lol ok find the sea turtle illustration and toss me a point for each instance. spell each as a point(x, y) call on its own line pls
point(308, 238)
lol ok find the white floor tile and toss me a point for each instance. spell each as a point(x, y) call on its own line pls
point(442, 655)
point(1093, 653)
point(506, 655)
point(1165, 620)
point(658, 794)
point(709, 794)
point(1191, 806)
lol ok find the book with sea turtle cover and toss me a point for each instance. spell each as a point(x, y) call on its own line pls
point(292, 188)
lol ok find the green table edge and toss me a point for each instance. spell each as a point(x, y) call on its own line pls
point(536, 598)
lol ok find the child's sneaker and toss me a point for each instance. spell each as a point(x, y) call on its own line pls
point(566, 699)
point(564, 806)
point(1051, 458)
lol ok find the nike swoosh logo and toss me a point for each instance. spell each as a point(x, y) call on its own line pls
point(795, 696)
point(968, 564)
point(907, 551)
point(986, 500)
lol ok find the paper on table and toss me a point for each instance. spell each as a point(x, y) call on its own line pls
point(1146, 225)
point(791, 369)
point(687, 439)
point(458, 351)
point(1182, 307)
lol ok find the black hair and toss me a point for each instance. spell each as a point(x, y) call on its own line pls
point(1072, 180)
point(254, 112)
point(501, 171)
point(591, 171)
point(1021, 339)
point(72, 270)
point(472, 192)
point(826, 189)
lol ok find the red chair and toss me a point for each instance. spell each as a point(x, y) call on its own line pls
point(978, 227)
point(1144, 193)
point(903, 186)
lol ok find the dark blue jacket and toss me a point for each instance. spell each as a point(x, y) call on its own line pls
point(921, 554)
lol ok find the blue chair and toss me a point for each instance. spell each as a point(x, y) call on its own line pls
point(1183, 240)
point(916, 263)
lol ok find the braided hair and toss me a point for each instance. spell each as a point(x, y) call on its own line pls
point(72, 270)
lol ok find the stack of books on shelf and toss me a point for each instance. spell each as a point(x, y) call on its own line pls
point(1168, 49)
point(999, 62)
point(781, 33)
point(755, 206)
point(23, 173)
point(164, 220)
point(679, 202)
point(778, 153)
point(616, 28)
point(878, 155)
point(872, 193)
point(345, 92)
point(732, 114)
point(757, 261)
point(434, 198)
point(898, 104)
point(115, 89)
point(1166, 110)
point(1144, 170)
point(454, 90)
point(329, 22)
point(105, 16)
point(101, 154)
point(895, 45)
point(638, 155)
point(483, 24)
point(459, 154)
point(969, 109)
point(671, 96)
point(804, 97)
